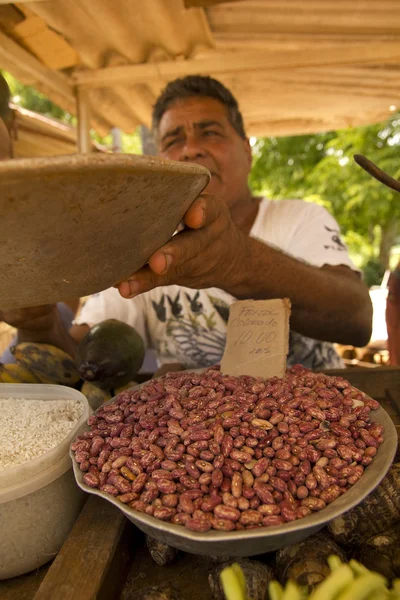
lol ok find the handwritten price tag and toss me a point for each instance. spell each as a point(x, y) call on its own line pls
point(257, 338)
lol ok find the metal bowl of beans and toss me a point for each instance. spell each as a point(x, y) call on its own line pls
point(216, 465)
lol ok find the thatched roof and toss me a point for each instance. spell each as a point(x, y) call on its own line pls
point(296, 66)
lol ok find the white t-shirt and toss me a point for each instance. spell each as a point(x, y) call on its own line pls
point(189, 326)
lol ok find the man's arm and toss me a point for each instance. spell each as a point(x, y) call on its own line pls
point(328, 303)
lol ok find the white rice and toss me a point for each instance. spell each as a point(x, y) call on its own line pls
point(29, 428)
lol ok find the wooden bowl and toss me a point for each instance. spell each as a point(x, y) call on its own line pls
point(75, 225)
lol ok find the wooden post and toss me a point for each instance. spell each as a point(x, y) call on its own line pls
point(83, 113)
point(149, 146)
point(116, 139)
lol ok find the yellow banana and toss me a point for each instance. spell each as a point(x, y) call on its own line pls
point(95, 395)
point(15, 373)
point(49, 364)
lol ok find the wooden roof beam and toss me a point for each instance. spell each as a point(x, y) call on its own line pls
point(26, 67)
point(376, 52)
point(204, 3)
point(56, 86)
point(20, 1)
point(301, 125)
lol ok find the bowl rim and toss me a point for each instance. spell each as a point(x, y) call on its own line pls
point(39, 166)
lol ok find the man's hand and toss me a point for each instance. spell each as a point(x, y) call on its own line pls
point(206, 254)
point(328, 303)
point(37, 318)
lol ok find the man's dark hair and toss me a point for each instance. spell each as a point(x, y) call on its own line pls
point(5, 109)
point(198, 85)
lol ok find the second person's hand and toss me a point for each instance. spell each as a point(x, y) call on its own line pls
point(36, 318)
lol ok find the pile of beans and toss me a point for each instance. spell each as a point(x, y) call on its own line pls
point(210, 451)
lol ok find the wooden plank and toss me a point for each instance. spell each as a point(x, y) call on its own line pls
point(10, 16)
point(24, 1)
point(307, 16)
point(393, 397)
point(288, 58)
point(206, 3)
point(187, 574)
point(50, 47)
point(56, 86)
point(82, 567)
point(244, 42)
point(373, 382)
point(23, 587)
point(13, 58)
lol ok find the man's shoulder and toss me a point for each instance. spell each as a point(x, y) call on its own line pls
point(287, 213)
point(290, 205)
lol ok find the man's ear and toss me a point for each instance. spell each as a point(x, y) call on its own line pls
point(248, 152)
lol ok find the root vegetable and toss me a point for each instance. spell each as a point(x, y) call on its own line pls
point(253, 576)
point(379, 511)
point(382, 553)
point(306, 563)
point(162, 554)
point(160, 592)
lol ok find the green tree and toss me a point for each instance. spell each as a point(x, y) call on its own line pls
point(320, 168)
point(29, 98)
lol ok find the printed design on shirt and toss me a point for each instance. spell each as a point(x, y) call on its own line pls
point(160, 310)
point(221, 307)
point(192, 331)
point(337, 243)
point(192, 335)
point(313, 354)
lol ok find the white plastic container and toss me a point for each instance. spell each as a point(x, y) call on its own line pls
point(39, 499)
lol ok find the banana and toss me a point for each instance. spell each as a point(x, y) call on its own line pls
point(49, 364)
point(363, 587)
point(95, 395)
point(15, 373)
point(275, 590)
point(232, 585)
point(333, 585)
point(352, 581)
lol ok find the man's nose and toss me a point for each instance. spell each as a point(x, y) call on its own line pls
point(192, 150)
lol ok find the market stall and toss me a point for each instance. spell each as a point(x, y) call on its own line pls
point(183, 457)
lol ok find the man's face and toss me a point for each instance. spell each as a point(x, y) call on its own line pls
point(198, 130)
point(5, 142)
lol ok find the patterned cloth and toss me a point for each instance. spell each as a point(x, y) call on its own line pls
point(189, 326)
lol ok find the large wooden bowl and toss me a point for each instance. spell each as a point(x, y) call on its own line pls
point(75, 225)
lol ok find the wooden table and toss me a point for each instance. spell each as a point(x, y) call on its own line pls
point(105, 556)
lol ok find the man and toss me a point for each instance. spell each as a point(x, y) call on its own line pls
point(233, 246)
